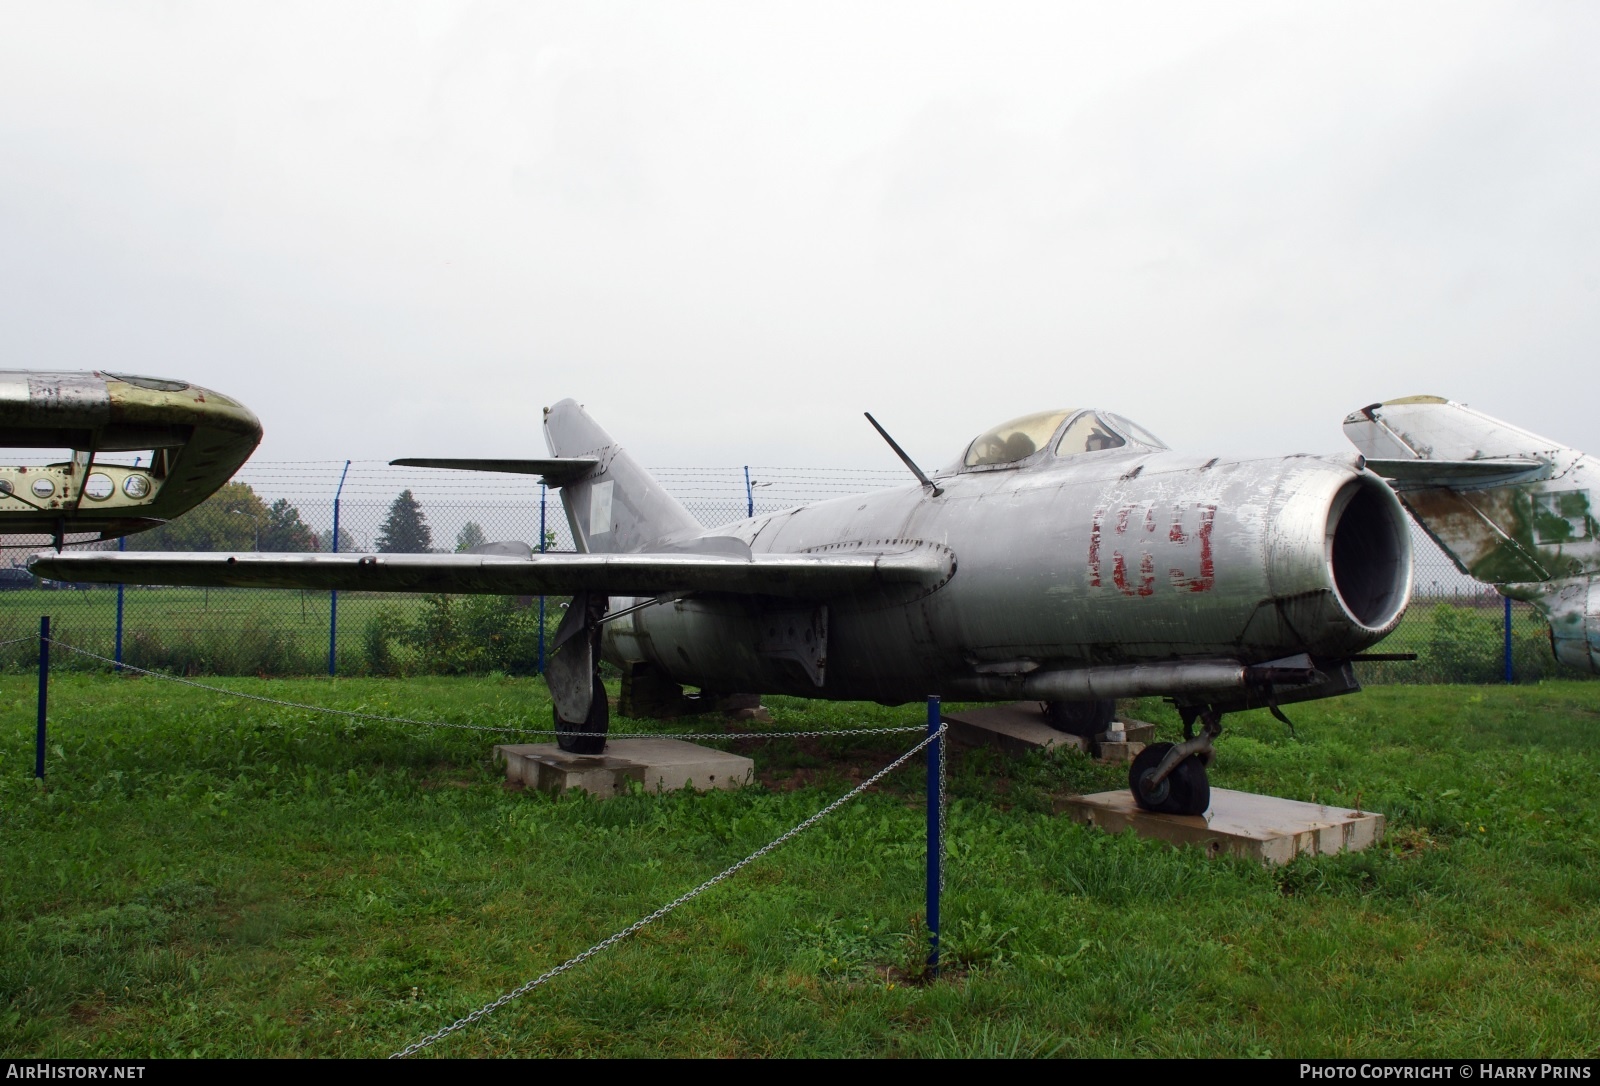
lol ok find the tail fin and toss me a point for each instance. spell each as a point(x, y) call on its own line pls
point(1507, 505)
point(617, 507)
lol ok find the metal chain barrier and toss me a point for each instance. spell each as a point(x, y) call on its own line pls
point(501, 729)
point(944, 800)
point(16, 640)
point(604, 944)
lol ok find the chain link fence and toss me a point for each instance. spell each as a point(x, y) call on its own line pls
point(1460, 630)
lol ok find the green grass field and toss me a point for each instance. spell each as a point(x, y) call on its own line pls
point(216, 877)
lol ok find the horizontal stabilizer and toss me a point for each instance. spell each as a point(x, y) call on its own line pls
point(802, 576)
point(557, 471)
point(1458, 474)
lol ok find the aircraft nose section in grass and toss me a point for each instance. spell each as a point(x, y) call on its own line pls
point(1511, 509)
point(193, 440)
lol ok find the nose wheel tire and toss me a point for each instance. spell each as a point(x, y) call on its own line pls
point(599, 720)
point(1184, 791)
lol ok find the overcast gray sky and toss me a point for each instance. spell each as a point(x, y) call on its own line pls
point(728, 228)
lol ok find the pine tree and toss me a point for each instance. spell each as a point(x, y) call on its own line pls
point(285, 531)
point(471, 535)
point(406, 530)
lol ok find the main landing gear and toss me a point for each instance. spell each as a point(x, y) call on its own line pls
point(1170, 778)
point(578, 699)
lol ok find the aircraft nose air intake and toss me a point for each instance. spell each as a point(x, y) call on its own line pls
point(1338, 560)
point(1369, 552)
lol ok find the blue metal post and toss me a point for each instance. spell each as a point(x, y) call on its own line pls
point(44, 695)
point(333, 594)
point(1510, 676)
point(542, 538)
point(122, 545)
point(935, 800)
point(749, 494)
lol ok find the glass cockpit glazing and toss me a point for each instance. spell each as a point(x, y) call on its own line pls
point(1015, 440)
point(1135, 431)
point(1098, 431)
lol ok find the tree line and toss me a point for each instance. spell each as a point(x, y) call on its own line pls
point(236, 518)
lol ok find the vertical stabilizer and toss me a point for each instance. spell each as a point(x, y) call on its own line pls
point(618, 507)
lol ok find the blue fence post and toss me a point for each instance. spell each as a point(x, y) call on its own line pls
point(122, 545)
point(935, 831)
point(333, 594)
point(1510, 675)
point(542, 538)
point(44, 695)
point(749, 494)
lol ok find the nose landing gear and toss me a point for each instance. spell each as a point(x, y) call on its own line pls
point(1170, 778)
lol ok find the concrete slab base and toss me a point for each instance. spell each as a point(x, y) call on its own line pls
point(1263, 828)
point(1015, 729)
point(1117, 752)
point(660, 765)
point(1138, 731)
point(1021, 726)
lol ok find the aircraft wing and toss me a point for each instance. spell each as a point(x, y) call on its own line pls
point(805, 576)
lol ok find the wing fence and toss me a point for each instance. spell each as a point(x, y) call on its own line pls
point(1460, 630)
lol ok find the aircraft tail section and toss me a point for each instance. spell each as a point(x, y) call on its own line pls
point(617, 506)
point(1510, 508)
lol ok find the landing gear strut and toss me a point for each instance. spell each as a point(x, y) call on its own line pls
point(590, 737)
point(582, 716)
point(1170, 778)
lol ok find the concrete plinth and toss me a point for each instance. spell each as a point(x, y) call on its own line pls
point(1021, 727)
point(660, 765)
point(1015, 729)
point(1263, 828)
point(1117, 752)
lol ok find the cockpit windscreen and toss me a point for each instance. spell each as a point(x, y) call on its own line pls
point(1098, 431)
point(1135, 431)
point(1088, 433)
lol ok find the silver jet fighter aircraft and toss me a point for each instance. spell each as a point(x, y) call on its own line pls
point(1066, 557)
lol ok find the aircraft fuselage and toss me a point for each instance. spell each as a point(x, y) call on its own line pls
point(1133, 558)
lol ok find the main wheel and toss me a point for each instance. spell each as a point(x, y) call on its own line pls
point(1085, 718)
point(1185, 790)
point(599, 720)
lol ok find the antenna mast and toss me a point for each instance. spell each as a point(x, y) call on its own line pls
point(901, 453)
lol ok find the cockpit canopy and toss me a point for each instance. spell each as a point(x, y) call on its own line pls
point(1087, 432)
